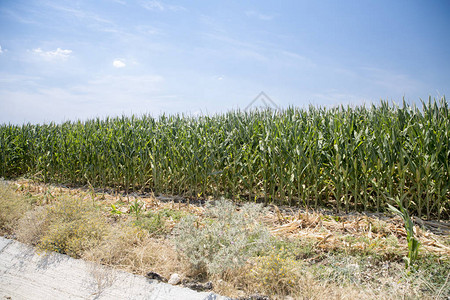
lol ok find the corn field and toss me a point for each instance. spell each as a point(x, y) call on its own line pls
point(345, 158)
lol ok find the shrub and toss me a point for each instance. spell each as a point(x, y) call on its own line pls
point(73, 226)
point(225, 239)
point(158, 223)
point(154, 223)
point(12, 208)
point(32, 226)
point(277, 273)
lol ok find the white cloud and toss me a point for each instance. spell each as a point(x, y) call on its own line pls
point(17, 16)
point(9, 80)
point(160, 6)
point(292, 55)
point(395, 83)
point(61, 54)
point(333, 97)
point(149, 30)
point(153, 5)
point(295, 59)
point(117, 63)
point(238, 48)
point(259, 15)
point(3, 50)
point(102, 96)
point(80, 14)
point(88, 19)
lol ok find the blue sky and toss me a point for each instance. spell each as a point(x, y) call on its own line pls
point(68, 60)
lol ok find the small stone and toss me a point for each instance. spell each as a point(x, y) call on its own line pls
point(156, 276)
point(208, 285)
point(174, 279)
point(197, 286)
point(255, 297)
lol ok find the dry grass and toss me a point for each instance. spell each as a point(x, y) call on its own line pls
point(314, 255)
point(132, 249)
point(12, 208)
point(299, 281)
point(32, 226)
point(355, 233)
point(73, 227)
point(279, 275)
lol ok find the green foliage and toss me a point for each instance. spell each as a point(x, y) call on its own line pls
point(173, 214)
point(224, 240)
point(413, 243)
point(136, 208)
point(114, 210)
point(435, 275)
point(154, 223)
point(345, 157)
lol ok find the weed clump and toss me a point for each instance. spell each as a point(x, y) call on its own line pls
point(225, 239)
point(158, 223)
point(72, 226)
point(32, 226)
point(153, 223)
point(131, 248)
point(277, 273)
point(12, 208)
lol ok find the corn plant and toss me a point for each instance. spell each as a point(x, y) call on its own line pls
point(413, 243)
point(136, 208)
point(347, 158)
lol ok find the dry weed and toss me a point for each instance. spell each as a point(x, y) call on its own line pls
point(12, 208)
point(132, 249)
point(31, 227)
point(328, 256)
point(72, 226)
point(102, 277)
